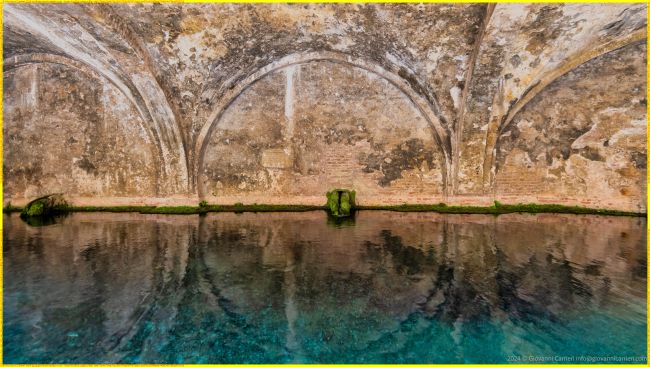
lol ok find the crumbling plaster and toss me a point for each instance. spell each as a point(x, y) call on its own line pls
point(458, 77)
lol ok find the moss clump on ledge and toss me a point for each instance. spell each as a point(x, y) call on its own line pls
point(45, 206)
point(341, 202)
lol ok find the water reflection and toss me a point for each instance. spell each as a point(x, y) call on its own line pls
point(293, 287)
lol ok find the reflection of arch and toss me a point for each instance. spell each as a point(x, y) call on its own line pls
point(420, 102)
point(501, 117)
point(19, 61)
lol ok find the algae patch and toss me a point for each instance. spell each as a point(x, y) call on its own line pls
point(45, 206)
point(341, 202)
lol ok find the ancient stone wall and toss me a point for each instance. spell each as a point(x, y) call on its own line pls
point(69, 132)
point(576, 141)
point(307, 128)
point(279, 103)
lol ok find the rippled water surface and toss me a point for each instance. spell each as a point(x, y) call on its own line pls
point(295, 287)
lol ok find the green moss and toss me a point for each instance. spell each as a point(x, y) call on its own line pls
point(496, 209)
point(265, 208)
point(346, 205)
point(173, 210)
point(499, 208)
point(111, 209)
point(36, 209)
point(11, 209)
point(333, 202)
point(201, 209)
point(341, 202)
point(47, 205)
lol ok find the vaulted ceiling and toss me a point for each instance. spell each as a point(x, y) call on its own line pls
point(474, 66)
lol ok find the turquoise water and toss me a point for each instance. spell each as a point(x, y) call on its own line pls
point(299, 288)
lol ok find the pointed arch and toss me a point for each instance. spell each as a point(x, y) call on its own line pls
point(441, 135)
point(501, 117)
point(19, 61)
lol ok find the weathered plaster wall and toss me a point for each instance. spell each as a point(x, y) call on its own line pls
point(66, 131)
point(579, 141)
point(308, 128)
point(416, 103)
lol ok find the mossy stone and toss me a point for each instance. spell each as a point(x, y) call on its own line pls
point(333, 202)
point(45, 206)
point(36, 209)
point(345, 208)
point(341, 202)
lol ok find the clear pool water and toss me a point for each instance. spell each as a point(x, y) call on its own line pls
point(299, 288)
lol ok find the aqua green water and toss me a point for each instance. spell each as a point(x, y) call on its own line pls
point(299, 288)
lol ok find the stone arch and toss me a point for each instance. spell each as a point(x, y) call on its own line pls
point(571, 63)
point(131, 92)
point(136, 99)
point(501, 117)
point(121, 26)
point(579, 141)
point(19, 61)
point(308, 127)
point(136, 87)
point(440, 133)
